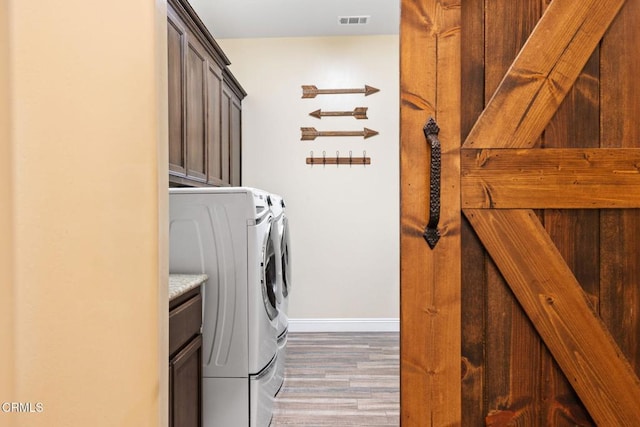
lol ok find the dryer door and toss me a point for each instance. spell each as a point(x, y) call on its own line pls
point(269, 276)
point(284, 258)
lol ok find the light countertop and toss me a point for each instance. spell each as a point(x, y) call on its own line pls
point(182, 283)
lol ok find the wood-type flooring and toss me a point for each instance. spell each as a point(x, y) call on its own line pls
point(340, 379)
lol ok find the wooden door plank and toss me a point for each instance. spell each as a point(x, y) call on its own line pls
point(575, 232)
point(472, 274)
point(620, 103)
point(543, 73)
point(550, 178)
point(417, 51)
point(496, 332)
point(513, 355)
point(430, 366)
point(619, 84)
point(561, 313)
point(508, 26)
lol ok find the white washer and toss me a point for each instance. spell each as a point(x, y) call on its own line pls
point(226, 234)
point(283, 253)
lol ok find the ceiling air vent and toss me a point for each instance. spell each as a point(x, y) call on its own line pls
point(353, 20)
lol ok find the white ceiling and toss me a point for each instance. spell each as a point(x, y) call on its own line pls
point(296, 18)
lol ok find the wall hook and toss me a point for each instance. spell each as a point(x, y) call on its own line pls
point(364, 160)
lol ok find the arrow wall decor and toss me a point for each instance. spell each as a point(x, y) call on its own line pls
point(358, 113)
point(309, 134)
point(310, 91)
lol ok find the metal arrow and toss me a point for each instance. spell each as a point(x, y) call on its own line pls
point(309, 134)
point(310, 91)
point(358, 113)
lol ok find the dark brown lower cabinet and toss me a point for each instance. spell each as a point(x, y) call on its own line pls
point(185, 371)
point(185, 360)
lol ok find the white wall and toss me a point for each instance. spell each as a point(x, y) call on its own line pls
point(344, 220)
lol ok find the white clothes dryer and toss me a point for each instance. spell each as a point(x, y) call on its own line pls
point(226, 233)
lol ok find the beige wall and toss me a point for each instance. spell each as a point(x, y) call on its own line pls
point(7, 385)
point(344, 220)
point(82, 195)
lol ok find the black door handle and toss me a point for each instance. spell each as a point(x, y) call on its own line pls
point(431, 233)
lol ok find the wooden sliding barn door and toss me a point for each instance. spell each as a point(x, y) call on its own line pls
point(527, 310)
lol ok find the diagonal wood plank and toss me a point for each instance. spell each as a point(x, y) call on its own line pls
point(556, 304)
point(543, 73)
point(550, 178)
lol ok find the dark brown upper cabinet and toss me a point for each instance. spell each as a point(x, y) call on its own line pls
point(205, 105)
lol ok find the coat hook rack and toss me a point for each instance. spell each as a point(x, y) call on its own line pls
point(324, 160)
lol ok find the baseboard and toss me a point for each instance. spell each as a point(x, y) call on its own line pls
point(345, 325)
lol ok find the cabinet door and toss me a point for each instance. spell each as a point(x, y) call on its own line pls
point(186, 386)
point(235, 129)
point(176, 42)
point(225, 131)
point(204, 105)
point(196, 109)
point(214, 136)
